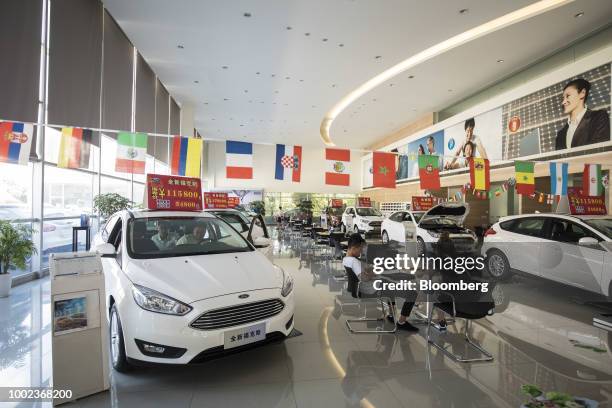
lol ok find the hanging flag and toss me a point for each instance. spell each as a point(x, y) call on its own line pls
point(549, 199)
point(525, 183)
point(186, 156)
point(479, 173)
point(74, 148)
point(541, 199)
point(384, 169)
point(498, 193)
point(238, 160)
point(288, 163)
point(592, 184)
point(458, 195)
point(558, 179)
point(429, 172)
point(15, 142)
point(504, 186)
point(337, 172)
point(131, 152)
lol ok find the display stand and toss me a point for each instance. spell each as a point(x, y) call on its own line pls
point(79, 325)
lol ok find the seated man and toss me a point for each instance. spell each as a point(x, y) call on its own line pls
point(164, 239)
point(196, 236)
point(367, 277)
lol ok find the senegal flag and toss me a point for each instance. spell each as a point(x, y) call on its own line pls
point(479, 174)
point(525, 183)
point(429, 172)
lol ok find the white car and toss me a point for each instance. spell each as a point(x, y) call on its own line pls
point(365, 220)
point(254, 230)
point(399, 224)
point(574, 250)
point(182, 287)
point(445, 218)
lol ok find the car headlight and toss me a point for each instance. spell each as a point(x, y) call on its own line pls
point(433, 233)
point(365, 223)
point(287, 283)
point(153, 301)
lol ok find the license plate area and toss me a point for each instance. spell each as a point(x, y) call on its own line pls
point(243, 336)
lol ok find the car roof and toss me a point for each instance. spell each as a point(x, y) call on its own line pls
point(155, 213)
point(552, 215)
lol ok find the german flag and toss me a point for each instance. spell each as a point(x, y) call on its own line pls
point(525, 183)
point(74, 148)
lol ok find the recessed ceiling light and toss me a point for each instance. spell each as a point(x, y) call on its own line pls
point(226, 99)
point(578, 15)
point(180, 46)
point(450, 90)
point(273, 103)
point(500, 61)
point(275, 92)
point(340, 45)
point(324, 40)
point(250, 101)
point(333, 85)
point(390, 84)
point(246, 91)
point(241, 125)
point(378, 57)
point(410, 76)
point(231, 118)
point(205, 103)
point(289, 28)
point(196, 82)
point(314, 106)
point(464, 11)
point(286, 104)
point(287, 77)
point(301, 80)
point(247, 15)
point(257, 73)
point(374, 100)
point(307, 34)
point(225, 67)
point(273, 75)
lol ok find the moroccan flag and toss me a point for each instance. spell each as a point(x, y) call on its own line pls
point(186, 156)
point(479, 174)
point(131, 152)
point(384, 170)
point(74, 149)
point(592, 185)
point(525, 183)
point(429, 172)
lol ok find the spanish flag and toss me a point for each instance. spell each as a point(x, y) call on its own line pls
point(186, 156)
point(74, 148)
point(525, 183)
point(479, 174)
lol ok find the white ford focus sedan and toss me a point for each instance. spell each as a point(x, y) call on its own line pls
point(185, 286)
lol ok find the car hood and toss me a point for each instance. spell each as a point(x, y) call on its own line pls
point(372, 218)
point(193, 278)
point(454, 211)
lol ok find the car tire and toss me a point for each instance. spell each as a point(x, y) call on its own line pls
point(420, 247)
point(385, 238)
point(497, 265)
point(117, 344)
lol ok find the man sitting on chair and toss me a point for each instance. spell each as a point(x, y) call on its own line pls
point(367, 278)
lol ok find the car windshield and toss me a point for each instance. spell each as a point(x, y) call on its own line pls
point(603, 225)
point(368, 212)
point(162, 237)
point(234, 219)
point(417, 216)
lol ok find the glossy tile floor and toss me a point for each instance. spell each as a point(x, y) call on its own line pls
point(540, 334)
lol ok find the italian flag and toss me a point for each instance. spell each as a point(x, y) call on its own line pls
point(131, 152)
point(429, 172)
point(592, 185)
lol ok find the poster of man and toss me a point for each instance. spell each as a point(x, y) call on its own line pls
point(432, 144)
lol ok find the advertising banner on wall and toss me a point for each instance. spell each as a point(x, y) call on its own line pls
point(173, 193)
point(232, 202)
point(215, 200)
point(336, 203)
point(245, 196)
point(571, 113)
point(364, 202)
point(420, 203)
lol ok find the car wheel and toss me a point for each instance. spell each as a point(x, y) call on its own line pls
point(117, 344)
point(385, 237)
point(497, 264)
point(420, 247)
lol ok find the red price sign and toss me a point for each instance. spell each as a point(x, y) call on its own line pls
point(580, 205)
point(173, 193)
point(232, 202)
point(336, 203)
point(364, 202)
point(420, 203)
point(215, 200)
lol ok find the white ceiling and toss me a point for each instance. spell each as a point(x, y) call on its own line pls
point(280, 82)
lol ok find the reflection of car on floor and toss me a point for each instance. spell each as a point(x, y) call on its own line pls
point(573, 250)
point(395, 227)
point(365, 220)
point(441, 219)
point(184, 287)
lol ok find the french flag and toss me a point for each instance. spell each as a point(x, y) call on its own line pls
point(15, 142)
point(288, 162)
point(238, 160)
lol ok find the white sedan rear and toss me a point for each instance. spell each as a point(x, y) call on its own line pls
point(397, 225)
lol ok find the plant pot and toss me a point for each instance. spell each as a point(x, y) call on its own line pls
point(5, 284)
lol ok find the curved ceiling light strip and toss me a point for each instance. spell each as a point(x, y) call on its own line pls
point(489, 27)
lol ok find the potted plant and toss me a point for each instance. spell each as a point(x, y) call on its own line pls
point(553, 399)
point(109, 203)
point(16, 247)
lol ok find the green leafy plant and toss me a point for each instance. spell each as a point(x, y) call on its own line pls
point(258, 207)
point(16, 246)
point(552, 399)
point(109, 203)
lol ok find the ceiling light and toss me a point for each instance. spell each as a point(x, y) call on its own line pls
point(257, 73)
point(464, 11)
point(246, 91)
point(410, 76)
point(225, 99)
point(247, 15)
point(390, 84)
point(287, 77)
point(196, 82)
point(333, 85)
point(450, 90)
point(500, 61)
point(340, 45)
point(307, 34)
point(273, 75)
point(289, 28)
point(205, 103)
point(324, 40)
point(578, 15)
point(301, 80)
point(180, 46)
point(378, 57)
point(458, 40)
point(225, 67)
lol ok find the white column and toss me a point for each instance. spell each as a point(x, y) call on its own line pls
point(187, 121)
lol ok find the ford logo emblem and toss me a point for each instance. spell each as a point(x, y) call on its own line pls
point(243, 296)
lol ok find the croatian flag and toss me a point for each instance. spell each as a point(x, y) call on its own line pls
point(15, 142)
point(288, 162)
point(238, 160)
point(558, 179)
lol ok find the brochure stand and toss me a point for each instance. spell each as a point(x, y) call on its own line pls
point(79, 325)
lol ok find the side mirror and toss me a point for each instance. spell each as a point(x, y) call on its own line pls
point(106, 250)
point(588, 242)
point(261, 242)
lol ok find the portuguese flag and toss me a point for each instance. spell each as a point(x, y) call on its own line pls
point(383, 169)
point(429, 172)
point(479, 174)
point(525, 183)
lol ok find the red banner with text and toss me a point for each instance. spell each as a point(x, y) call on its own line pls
point(215, 200)
point(336, 203)
point(422, 203)
point(232, 202)
point(173, 193)
point(364, 202)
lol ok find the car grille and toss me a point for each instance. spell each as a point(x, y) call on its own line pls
point(375, 223)
point(237, 315)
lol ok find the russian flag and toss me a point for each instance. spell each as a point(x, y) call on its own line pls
point(558, 179)
point(15, 142)
point(238, 160)
point(288, 162)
